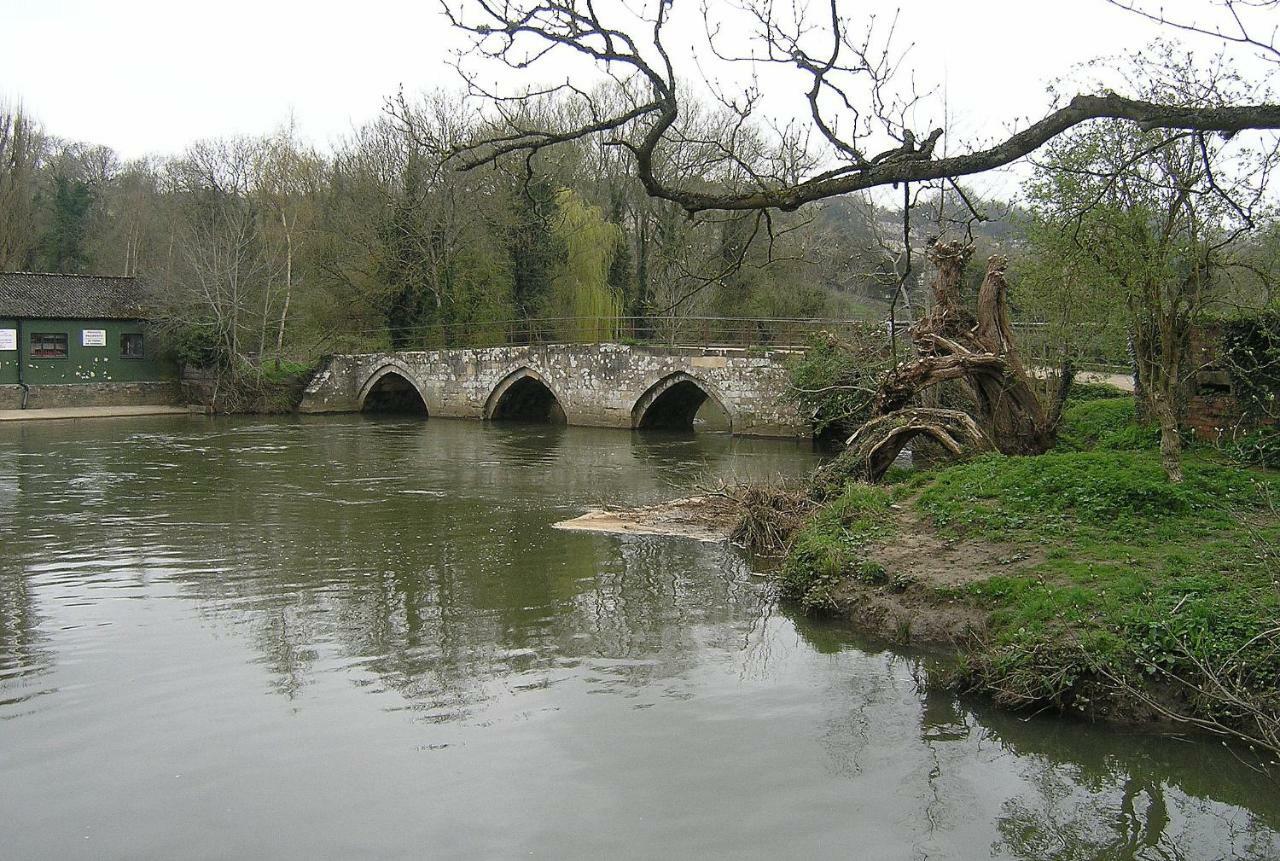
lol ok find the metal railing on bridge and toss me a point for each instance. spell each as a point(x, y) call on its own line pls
point(1091, 350)
point(729, 332)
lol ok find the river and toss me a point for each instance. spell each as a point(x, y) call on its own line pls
point(351, 637)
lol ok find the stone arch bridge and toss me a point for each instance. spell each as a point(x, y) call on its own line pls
point(738, 390)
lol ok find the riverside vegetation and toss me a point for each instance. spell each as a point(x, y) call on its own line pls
point(1095, 585)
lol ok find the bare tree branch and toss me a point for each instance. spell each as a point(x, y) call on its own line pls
point(521, 33)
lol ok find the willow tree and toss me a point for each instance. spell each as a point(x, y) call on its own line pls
point(581, 296)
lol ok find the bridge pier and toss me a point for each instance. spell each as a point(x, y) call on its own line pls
point(595, 385)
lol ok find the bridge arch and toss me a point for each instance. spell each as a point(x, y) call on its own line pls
point(673, 402)
point(393, 388)
point(524, 396)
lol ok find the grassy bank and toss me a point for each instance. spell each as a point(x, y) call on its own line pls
point(1100, 588)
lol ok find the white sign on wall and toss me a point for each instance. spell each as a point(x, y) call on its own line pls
point(8, 339)
point(93, 338)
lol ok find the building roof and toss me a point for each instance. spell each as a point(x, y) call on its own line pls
point(53, 295)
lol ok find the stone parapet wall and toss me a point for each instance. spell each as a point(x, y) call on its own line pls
point(596, 385)
point(92, 395)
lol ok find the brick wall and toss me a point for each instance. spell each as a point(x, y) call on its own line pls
point(1213, 412)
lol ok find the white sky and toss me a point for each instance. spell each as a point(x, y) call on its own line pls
point(150, 76)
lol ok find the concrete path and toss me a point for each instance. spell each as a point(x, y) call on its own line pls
point(1123, 382)
point(91, 412)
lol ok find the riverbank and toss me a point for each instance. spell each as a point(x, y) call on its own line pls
point(247, 389)
point(1080, 581)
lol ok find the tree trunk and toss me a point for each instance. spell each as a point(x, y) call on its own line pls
point(955, 344)
point(877, 444)
point(1161, 346)
point(288, 285)
point(1170, 439)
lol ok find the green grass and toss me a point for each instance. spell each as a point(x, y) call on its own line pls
point(1134, 578)
point(1111, 494)
point(1081, 391)
point(828, 548)
point(1142, 580)
point(287, 371)
point(1104, 423)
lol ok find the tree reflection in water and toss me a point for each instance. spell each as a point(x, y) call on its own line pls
point(1081, 792)
point(414, 562)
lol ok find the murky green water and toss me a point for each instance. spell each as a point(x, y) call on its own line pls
point(348, 638)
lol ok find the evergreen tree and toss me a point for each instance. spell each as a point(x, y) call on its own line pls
point(535, 249)
point(400, 266)
point(62, 247)
point(622, 280)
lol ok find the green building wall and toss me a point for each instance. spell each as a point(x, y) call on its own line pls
point(83, 364)
point(8, 358)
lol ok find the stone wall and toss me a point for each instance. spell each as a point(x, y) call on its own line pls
point(596, 385)
point(92, 395)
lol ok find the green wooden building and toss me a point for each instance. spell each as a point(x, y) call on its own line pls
point(78, 340)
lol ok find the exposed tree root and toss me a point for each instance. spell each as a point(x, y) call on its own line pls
point(954, 344)
point(877, 444)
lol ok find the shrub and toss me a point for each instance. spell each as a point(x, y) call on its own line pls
point(197, 346)
point(1258, 448)
point(1083, 391)
point(1251, 352)
point(1109, 424)
point(835, 381)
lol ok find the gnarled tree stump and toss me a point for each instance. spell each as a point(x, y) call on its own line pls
point(953, 343)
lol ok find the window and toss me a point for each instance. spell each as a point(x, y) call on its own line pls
point(131, 345)
point(48, 345)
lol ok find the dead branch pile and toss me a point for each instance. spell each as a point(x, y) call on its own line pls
point(767, 514)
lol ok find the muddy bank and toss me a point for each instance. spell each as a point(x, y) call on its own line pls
point(48, 413)
point(909, 597)
point(908, 586)
point(703, 518)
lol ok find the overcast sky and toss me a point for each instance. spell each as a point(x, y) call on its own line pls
point(150, 76)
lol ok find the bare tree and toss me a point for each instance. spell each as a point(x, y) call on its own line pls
point(133, 228)
point(224, 265)
point(22, 150)
point(1235, 22)
point(288, 182)
point(856, 109)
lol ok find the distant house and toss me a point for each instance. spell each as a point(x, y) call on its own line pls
point(78, 340)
